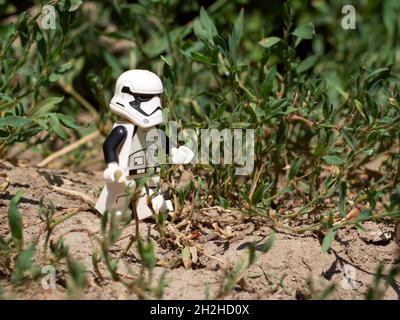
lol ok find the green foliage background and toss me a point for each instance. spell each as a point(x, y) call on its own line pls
point(323, 100)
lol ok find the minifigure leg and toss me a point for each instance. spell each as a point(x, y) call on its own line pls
point(113, 197)
point(165, 204)
point(158, 204)
point(142, 209)
point(170, 206)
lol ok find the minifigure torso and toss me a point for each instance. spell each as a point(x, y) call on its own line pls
point(133, 155)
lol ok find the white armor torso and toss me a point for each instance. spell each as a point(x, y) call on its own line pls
point(134, 153)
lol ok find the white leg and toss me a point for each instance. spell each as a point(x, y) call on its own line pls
point(170, 206)
point(158, 204)
point(142, 209)
point(113, 197)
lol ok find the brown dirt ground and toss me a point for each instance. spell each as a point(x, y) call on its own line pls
point(292, 260)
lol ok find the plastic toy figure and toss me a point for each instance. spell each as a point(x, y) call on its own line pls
point(137, 100)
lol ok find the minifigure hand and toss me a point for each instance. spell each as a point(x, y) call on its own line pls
point(114, 173)
point(181, 155)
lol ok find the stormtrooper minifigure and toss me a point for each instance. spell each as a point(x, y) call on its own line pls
point(137, 100)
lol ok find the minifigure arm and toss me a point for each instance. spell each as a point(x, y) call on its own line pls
point(113, 141)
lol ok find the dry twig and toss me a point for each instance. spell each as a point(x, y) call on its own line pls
point(68, 148)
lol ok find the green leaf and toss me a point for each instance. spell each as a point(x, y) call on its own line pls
point(46, 106)
point(326, 243)
point(305, 31)
point(204, 28)
point(267, 245)
point(207, 291)
point(15, 220)
point(258, 194)
point(198, 57)
point(22, 21)
point(67, 121)
point(186, 257)
point(219, 112)
point(113, 62)
point(268, 83)
point(55, 126)
point(358, 105)
point(307, 63)
point(237, 32)
point(162, 218)
point(359, 227)
point(75, 4)
point(59, 249)
point(15, 121)
point(168, 70)
point(364, 215)
point(294, 168)
point(54, 77)
point(162, 284)
point(199, 31)
point(333, 160)
point(207, 23)
point(239, 25)
point(348, 138)
point(6, 98)
point(269, 42)
point(23, 263)
point(3, 244)
point(379, 74)
point(41, 44)
point(76, 275)
point(146, 253)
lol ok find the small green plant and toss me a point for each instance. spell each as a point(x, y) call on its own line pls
point(234, 276)
point(146, 274)
point(382, 282)
point(23, 264)
point(15, 222)
point(141, 283)
point(76, 281)
point(16, 261)
point(319, 294)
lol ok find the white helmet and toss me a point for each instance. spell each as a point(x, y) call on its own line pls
point(137, 98)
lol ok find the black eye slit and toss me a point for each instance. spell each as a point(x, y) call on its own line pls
point(138, 96)
point(144, 97)
point(126, 90)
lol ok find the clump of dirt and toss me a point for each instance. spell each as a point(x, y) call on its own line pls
point(294, 268)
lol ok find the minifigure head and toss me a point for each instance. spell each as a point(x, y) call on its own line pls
point(137, 98)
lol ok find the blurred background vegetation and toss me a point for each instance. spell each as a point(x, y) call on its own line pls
point(323, 100)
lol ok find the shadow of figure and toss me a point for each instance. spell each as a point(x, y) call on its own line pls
point(342, 261)
point(8, 196)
